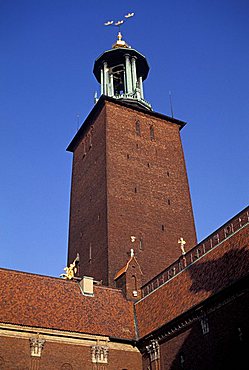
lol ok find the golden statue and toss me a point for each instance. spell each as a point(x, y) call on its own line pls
point(71, 271)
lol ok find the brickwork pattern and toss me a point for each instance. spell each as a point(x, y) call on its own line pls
point(88, 222)
point(15, 355)
point(211, 274)
point(223, 347)
point(46, 302)
point(148, 193)
point(139, 185)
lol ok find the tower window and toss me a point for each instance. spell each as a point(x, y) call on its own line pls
point(84, 149)
point(128, 156)
point(135, 189)
point(168, 173)
point(152, 133)
point(90, 253)
point(138, 129)
point(162, 227)
point(141, 246)
point(169, 202)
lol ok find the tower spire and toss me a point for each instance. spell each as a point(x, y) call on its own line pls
point(122, 70)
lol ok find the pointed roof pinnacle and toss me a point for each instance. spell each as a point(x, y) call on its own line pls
point(120, 43)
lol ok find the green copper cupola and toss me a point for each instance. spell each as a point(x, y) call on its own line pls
point(121, 72)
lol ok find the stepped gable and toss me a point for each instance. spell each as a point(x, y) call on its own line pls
point(211, 273)
point(53, 303)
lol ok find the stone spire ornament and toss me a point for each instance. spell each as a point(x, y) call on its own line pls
point(182, 243)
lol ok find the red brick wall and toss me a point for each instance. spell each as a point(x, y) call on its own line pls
point(130, 280)
point(15, 355)
point(88, 223)
point(147, 191)
point(129, 185)
point(215, 271)
point(221, 348)
point(120, 360)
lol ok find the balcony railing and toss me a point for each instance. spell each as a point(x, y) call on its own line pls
point(133, 97)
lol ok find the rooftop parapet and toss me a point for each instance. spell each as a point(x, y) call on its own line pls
point(201, 249)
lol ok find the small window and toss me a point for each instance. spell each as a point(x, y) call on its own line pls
point(240, 334)
point(204, 324)
point(135, 189)
point(162, 227)
point(169, 202)
point(134, 282)
point(90, 139)
point(84, 149)
point(168, 173)
point(182, 360)
point(148, 165)
point(138, 129)
point(90, 253)
point(141, 244)
point(128, 156)
point(152, 133)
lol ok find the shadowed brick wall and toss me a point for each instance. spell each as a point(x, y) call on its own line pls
point(224, 346)
point(214, 272)
point(88, 222)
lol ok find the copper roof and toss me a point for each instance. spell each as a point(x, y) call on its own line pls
point(125, 268)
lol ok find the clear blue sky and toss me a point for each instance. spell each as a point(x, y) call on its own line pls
point(197, 49)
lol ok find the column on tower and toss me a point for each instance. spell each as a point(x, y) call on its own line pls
point(140, 81)
point(106, 79)
point(111, 86)
point(128, 74)
point(125, 83)
point(102, 81)
point(107, 83)
point(134, 73)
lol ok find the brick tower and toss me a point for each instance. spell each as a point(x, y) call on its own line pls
point(128, 177)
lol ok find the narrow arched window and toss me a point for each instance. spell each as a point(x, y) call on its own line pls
point(152, 133)
point(138, 128)
point(134, 283)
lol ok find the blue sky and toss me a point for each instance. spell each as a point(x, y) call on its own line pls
point(196, 49)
